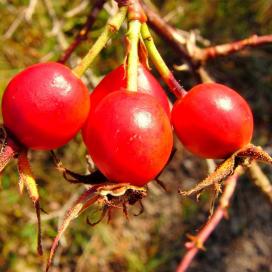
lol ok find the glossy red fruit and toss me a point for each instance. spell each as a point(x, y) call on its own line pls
point(130, 137)
point(45, 105)
point(212, 121)
point(116, 81)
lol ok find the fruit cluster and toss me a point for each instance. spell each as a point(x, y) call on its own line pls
point(128, 134)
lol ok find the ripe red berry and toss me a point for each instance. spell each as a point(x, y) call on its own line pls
point(130, 137)
point(212, 121)
point(45, 105)
point(116, 81)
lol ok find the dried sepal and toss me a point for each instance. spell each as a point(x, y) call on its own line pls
point(27, 180)
point(7, 153)
point(111, 195)
point(86, 199)
point(256, 153)
point(242, 157)
point(94, 178)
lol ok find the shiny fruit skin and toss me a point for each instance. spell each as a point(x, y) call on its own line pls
point(116, 80)
point(212, 121)
point(45, 105)
point(130, 137)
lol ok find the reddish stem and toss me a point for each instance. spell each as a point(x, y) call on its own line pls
point(83, 33)
point(174, 85)
point(197, 242)
point(230, 48)
point(169, 34)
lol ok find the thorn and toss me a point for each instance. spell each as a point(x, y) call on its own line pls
point(161, 184)
point(198, 197)
point(218, 188)
point(182, 67)
point(196, 242)
point(44, 211)
point(141, 209)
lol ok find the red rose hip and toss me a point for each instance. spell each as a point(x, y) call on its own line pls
point(129, 137)
point(116, 80)
point(212, 121)
point(45, 105)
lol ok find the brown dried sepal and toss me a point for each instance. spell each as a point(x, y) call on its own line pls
point(9, 150)
point(108, 195)
point(27, 180)
point(242, 157)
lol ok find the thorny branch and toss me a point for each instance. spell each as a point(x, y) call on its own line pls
point(161, 27)
point(232, 47)
point(197, 242)
point(192, 54)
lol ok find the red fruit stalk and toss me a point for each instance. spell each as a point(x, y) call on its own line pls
point(212, 121)
point(45, 105)
point(129, 137)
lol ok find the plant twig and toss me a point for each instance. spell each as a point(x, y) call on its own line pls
point(159, 63)
point(260, 180)
point(197, 242)
point(171, 36)
point(111, 28)
point(57, 26)
point(232, 47)
point(194, 55)
point(83, 33)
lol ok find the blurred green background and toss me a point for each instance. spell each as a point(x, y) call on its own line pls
point(35, 31)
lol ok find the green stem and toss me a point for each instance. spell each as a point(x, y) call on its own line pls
point(159, 63)
point(110, 29)
point(132, 69)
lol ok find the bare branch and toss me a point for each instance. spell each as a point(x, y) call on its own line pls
point(260, 180)
point(198, 241)
point(232, 47)
point(191, 53)
point(57, 25)
point(168, 33)
point(25, 14)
